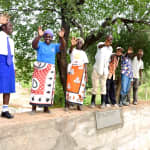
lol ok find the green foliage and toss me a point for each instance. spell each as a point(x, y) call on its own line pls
point(138, 40)
point(59, 95)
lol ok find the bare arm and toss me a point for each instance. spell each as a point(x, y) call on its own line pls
point(73, 44)
point(71, 49)
point(101, 45)
point(37, 39)
point(141, 73)
point(4, 18)
point(35, 42)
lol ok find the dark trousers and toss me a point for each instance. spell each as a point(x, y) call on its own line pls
point(135, 90)
point(111, 92)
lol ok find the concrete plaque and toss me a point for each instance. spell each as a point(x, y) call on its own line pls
point(108, 118)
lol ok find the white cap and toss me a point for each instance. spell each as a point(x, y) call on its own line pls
point(119, 48)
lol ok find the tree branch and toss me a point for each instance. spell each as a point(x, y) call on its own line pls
point(129, 29)
point(90, 39)
point(130, 21)
point(29, 9)
point(78, 26)
point(93, 38)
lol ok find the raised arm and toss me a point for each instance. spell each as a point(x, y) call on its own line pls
point(4, 18)
point(37, 39)
point(101, 45)
point(73, 44)
point(62, 40)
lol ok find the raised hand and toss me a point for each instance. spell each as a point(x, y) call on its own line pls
point(73, 41)
point(4, 18)
point(61, 33)
point(40, 31)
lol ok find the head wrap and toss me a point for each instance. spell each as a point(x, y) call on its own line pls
point(80, 38)
point(49, 31)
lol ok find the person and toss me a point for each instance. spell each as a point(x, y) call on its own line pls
point(77, 74)
point(110, 83)
point(43, 79)
point(7, 72)
point(100, 70)
point(126, 76)
point(138, 66)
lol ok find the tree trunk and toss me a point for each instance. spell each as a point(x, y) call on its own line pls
point(62, 56)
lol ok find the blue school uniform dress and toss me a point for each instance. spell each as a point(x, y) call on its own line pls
point(7, 72)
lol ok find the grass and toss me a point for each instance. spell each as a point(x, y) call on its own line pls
point(143, 94)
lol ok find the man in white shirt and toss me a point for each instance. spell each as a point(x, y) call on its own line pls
point(137, 67)
point(100, 69)
point(7, 73)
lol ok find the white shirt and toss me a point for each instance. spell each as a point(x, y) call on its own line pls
point(78, 57)
point(136, 66)
point(102, 59)
point(3, 44)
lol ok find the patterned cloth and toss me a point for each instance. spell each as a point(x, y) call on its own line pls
point(76, 84)
point(43, 84)
point(112, 66)
point(126, 66)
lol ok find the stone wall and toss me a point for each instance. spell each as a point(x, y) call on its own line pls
point(128, 130)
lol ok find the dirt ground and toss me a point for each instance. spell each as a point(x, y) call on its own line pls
point(19, 102)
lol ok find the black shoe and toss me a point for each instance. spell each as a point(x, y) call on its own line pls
point(6, 114)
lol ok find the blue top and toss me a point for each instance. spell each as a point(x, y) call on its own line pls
point(126, 66)
point(46, 53)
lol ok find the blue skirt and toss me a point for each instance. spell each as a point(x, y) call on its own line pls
point(7, 76)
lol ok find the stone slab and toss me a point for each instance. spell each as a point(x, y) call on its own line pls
point(108, 118)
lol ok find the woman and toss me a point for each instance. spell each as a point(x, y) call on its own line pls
point(77, 74)
point(7, 72)
point(43, 79)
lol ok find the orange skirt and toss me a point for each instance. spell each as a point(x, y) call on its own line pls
point(76, 84)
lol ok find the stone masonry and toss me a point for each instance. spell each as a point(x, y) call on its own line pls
point(129, 129)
